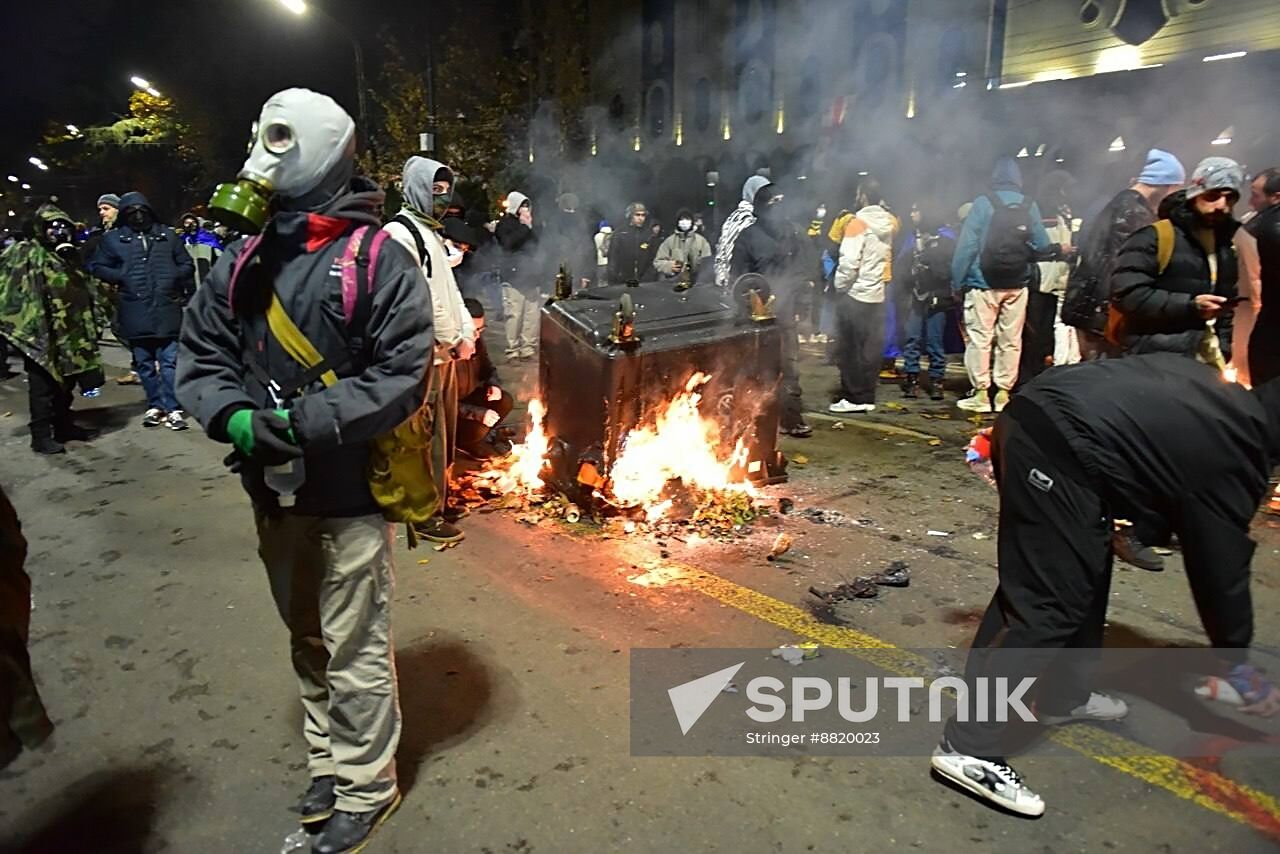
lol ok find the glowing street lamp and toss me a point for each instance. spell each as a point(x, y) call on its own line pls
point(143, 84)
point(26, 186)
point(38, 163)
point(73, 130)
point(297, 7)
point(13, 178)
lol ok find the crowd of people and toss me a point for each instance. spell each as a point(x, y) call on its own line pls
point(341, 355)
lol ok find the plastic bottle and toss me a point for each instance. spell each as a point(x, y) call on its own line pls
point(285, 480)
point(295, 842)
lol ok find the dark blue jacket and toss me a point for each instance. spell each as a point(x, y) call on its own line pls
point(153, 271)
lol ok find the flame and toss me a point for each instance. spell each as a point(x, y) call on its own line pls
point(680, 445)
point(522, 470)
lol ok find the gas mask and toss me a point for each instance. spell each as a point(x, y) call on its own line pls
point(299, 141)
point(59, 235)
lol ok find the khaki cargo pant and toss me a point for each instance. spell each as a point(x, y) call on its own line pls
point(994, 318)
point(332, 583)
point(444, 425)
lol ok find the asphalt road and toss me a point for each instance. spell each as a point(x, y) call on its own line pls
point(165, 667)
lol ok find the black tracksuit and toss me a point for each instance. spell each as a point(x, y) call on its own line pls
point(1159, 439)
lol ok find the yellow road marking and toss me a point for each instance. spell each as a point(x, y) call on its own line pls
point(1206, 788)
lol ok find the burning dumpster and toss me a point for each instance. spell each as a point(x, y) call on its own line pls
point(648, 386)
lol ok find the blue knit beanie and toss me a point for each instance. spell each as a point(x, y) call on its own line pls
point(1162, 170)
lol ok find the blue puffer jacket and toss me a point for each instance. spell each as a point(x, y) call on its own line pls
point(153, 271)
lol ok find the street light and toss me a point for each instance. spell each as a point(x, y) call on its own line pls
point(38, 163)
point(26, 186)
point(299, 7)
point(73, 130)
point(13, 178)
point(143, 84)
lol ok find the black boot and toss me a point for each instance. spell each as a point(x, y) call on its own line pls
point(317, 803)
point(935, 389)
point(69, 431)
point(348, 831)
point(911, 386)
point(42, 441)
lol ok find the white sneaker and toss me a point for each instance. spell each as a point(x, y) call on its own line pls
point(1101, 707)
point(977, 401)
point(153, 417)
point(843, 407)
point(994, 781)
point(822, 338)
point(863, 407)
point(1001, 401)
point(175, 420)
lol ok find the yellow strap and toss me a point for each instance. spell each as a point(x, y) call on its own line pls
point(1164, 244)
point(294, 342)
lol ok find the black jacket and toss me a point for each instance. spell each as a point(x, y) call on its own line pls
point(153, 271)
point(1090, 283)
point(631, 254)
point(475, 374)
point(1265, 228)
point(334, 425)
point(520, 262)
point(775, 251)
point(1173, 448)
point(1159, 308)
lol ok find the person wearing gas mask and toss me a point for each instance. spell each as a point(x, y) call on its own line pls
point(324, 541)
point(202, 245)
point(681, 255)
point(149, 265)
point(428, 190)
point(46, 314)
point(772, 247)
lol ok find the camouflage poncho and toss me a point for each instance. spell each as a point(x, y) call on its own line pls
point(46, 306)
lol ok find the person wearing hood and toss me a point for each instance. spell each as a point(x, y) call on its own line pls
point(603, 238)
point(47, 315)
point(325, 543)
point(1087, 300)
point(202, 245)
point(570, 234)
point(428, 189)
point(155, 275)
point(863, 271)
point(522, 276)
point(993, 268)
point(772, 247)
point(633, 248)
point(1183, 303)
point(684, 250)
point(742, 218)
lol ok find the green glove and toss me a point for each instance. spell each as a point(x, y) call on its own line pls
point(240, 427)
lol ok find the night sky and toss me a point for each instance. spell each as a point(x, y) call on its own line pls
point(71, 62)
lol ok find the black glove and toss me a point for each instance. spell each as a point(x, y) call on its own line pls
point(274, 443)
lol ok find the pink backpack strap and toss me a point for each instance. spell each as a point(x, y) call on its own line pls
point(247, 253)
point(350, 262)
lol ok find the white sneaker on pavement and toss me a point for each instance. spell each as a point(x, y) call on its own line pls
point(175, 420)
point(153, 418)
point(1101, 707)
point(843, 406)
point(977, 401)
point(988, 779)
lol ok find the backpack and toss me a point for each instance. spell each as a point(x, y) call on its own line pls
point(1165, 240)
point(1007, 254)
point(399, 476)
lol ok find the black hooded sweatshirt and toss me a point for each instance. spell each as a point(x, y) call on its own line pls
point(1172, 446)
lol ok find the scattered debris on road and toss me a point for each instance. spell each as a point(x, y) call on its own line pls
point(781, 546)
point(796, 654)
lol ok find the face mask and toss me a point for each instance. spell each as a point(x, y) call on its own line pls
point(298, 141)
point(685, 225)
point(138, 219)
point(441, 202)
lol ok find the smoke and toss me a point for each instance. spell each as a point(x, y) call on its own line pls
point(854, 90)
